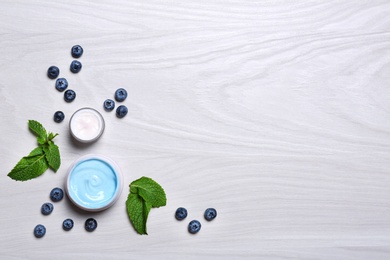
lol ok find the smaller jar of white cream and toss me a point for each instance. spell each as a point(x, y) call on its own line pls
point(94, 183)
point(86, 125)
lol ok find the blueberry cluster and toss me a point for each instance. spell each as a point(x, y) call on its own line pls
point(57, 194)
point(69, 95)
point(62, 84)
point(194, 225)
point(120, 96)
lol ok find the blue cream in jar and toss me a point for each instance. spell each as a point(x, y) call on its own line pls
point(94, 183)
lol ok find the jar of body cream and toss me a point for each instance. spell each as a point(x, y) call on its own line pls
point(94, 183)
point(86, 125)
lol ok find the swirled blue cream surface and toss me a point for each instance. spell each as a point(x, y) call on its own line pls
point(93, 183)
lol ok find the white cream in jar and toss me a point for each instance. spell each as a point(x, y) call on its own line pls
point(86, 125)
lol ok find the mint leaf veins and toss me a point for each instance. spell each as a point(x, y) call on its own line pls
point(144, 194)
point(52, 155)
point(39, 130)
point(40, 159)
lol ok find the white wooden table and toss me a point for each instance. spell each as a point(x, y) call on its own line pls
point(276, 113)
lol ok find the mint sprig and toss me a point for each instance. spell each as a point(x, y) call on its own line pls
point(40, 159)
point(144, 194)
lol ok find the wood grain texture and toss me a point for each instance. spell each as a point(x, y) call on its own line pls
point(276, 113)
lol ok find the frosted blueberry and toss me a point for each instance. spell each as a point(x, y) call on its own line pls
point(210, 214)
point(77, 51)
point(39, 231)
point(121, 111)
point(75, 66)
point(109, 104)
point(53, 72)
point(56, 194)
point(69, 95)
point(90, 224)
point(59, 116)
point(61, 84)
point(194, 226)
point(67, 224)
point(120, 94)
point(181, 213)
point(47, 208)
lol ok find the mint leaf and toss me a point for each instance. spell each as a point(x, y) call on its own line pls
point(144, 194)
point(30, 167)
point(38, 129)
point(138, 211)
point(41, 140)
point(150, 191)
point(41, 158)
point(52, 154)
point(36, 151)
point(51, 136)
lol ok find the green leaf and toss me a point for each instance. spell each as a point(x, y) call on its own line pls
point(36, 151)
point(30, 167)
point(144, 194)
point(40, 159)
point(51, 136)
point(41, 140)
point(52, 154)
point(38, 129)
point(138, 211)
point(150, 191)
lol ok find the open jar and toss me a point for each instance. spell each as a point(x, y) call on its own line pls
point(86, 125)
point(94, 183)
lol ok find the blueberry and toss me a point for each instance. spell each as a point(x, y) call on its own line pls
point(53, 72)
point(194, 226)
point(210, 214)
point(75, 66)
point(39, 231)
point(59, 116)
point(47, 208)
point(77, 51)
point(56, 194)
point(181, 213)
point(109, 104)
point(90, 224)
point(69, 95)
point(61, 84)
point(121, 111)
point(67, 224)
point(120, 94)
